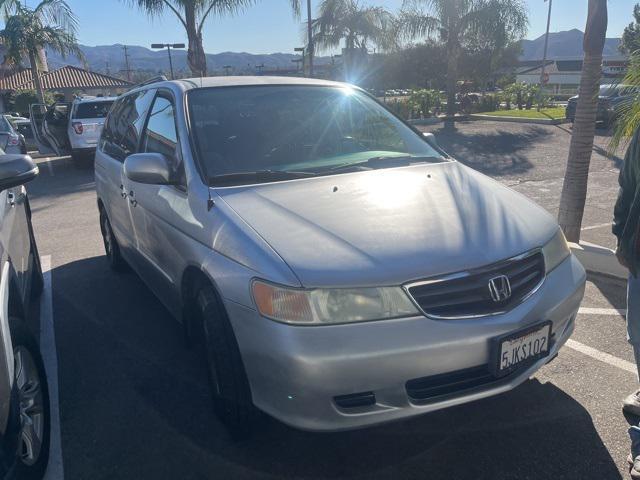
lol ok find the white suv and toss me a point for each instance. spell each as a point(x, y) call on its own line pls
point(70, 128)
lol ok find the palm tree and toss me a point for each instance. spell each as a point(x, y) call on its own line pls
point(460, 22)
point(628, 120)
point(355, 24)
point(352, 22)
point(574, 190)
point(28, 31)
point(193, 14)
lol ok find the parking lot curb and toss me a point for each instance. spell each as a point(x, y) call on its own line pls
point(598, 259)
point(539, 121)
point(424, 121)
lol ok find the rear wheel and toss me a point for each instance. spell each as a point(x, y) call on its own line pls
point(32, 398)
point(229, 384)
point(111, 247)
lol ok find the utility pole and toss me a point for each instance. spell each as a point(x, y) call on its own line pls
point(126, 62)
point(310, 40)
point(544, 56)
point(168, 46)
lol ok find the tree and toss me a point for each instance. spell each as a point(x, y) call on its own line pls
point(20, 101)
point(28, 31)
point(631, 35)
point(628, 120)
point(352, 22)
point(356, 25)
point(456, 23)
point(193, 14)
point(574, 189)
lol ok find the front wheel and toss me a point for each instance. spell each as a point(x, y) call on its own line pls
point(32, 399)
point(229, 384)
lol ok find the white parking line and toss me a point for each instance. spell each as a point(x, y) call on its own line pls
point(594, 227)
point(603, 357)
point(55, 469)
point(603, 311)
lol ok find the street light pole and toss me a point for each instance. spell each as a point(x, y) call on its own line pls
point(310, 40)
point(544, 55)
point(168, 46)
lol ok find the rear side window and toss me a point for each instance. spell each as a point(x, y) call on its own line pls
point(121, 134)
point(92, 109)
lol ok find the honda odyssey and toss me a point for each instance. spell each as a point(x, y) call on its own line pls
point(339, 269)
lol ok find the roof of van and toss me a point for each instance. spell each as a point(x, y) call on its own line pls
point(95, 99)
point(205, 82)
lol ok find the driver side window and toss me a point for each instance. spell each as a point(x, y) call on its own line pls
point(161, 136)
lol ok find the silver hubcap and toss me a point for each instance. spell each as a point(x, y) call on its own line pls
point(31, 406)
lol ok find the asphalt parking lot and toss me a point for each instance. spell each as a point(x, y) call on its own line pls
point(134, 402)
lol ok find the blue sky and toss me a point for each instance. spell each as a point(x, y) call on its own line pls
point(269, 26)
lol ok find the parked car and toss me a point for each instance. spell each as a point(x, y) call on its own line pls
point(338, 267)
point(24, 400)
point(11, 141)
point(23, 127)
point(70, 128)
point(611, 101)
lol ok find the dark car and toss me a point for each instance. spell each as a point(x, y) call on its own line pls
point(24, 399)
point(611, 102)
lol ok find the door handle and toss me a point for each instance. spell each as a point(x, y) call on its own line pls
point(11, 199)
point(132, 199)
point(123, 194)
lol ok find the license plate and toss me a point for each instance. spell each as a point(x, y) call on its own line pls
point(522, 348)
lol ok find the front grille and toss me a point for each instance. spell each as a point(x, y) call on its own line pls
point(447, 384)
point(468, 294)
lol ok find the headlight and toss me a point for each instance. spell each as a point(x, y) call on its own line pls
point(555, 251)
point(330, 306)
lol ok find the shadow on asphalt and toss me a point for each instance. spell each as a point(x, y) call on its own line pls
point(496, 152)
point(613, 289)
point(135, 404)
point(604, 151)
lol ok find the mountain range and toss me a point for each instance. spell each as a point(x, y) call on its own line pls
point(111, 58)
point(564, 45)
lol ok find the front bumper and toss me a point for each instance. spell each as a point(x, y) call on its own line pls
point(296, 372)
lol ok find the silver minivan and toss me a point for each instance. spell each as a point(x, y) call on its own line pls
point(339, 269)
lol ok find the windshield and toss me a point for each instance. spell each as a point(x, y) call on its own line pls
point(92, 109)
point(306, 129)
point(5, 126)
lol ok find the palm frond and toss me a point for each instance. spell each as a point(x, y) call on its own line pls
point(59, 13)
point(628, 121)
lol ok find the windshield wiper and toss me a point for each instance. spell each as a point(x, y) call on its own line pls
point(381, 162)
point(257, 177)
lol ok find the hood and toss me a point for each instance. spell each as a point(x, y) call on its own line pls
point(390, 226)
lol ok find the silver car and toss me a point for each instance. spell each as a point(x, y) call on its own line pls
point(70, 128)
point(338, 267)
point(24, 401)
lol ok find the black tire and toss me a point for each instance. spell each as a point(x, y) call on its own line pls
point(33, 468)
point(229, 384)
point(111, 247)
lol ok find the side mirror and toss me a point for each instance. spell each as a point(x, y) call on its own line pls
point(16, 170)
point(149, 168)
point(430, 138)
